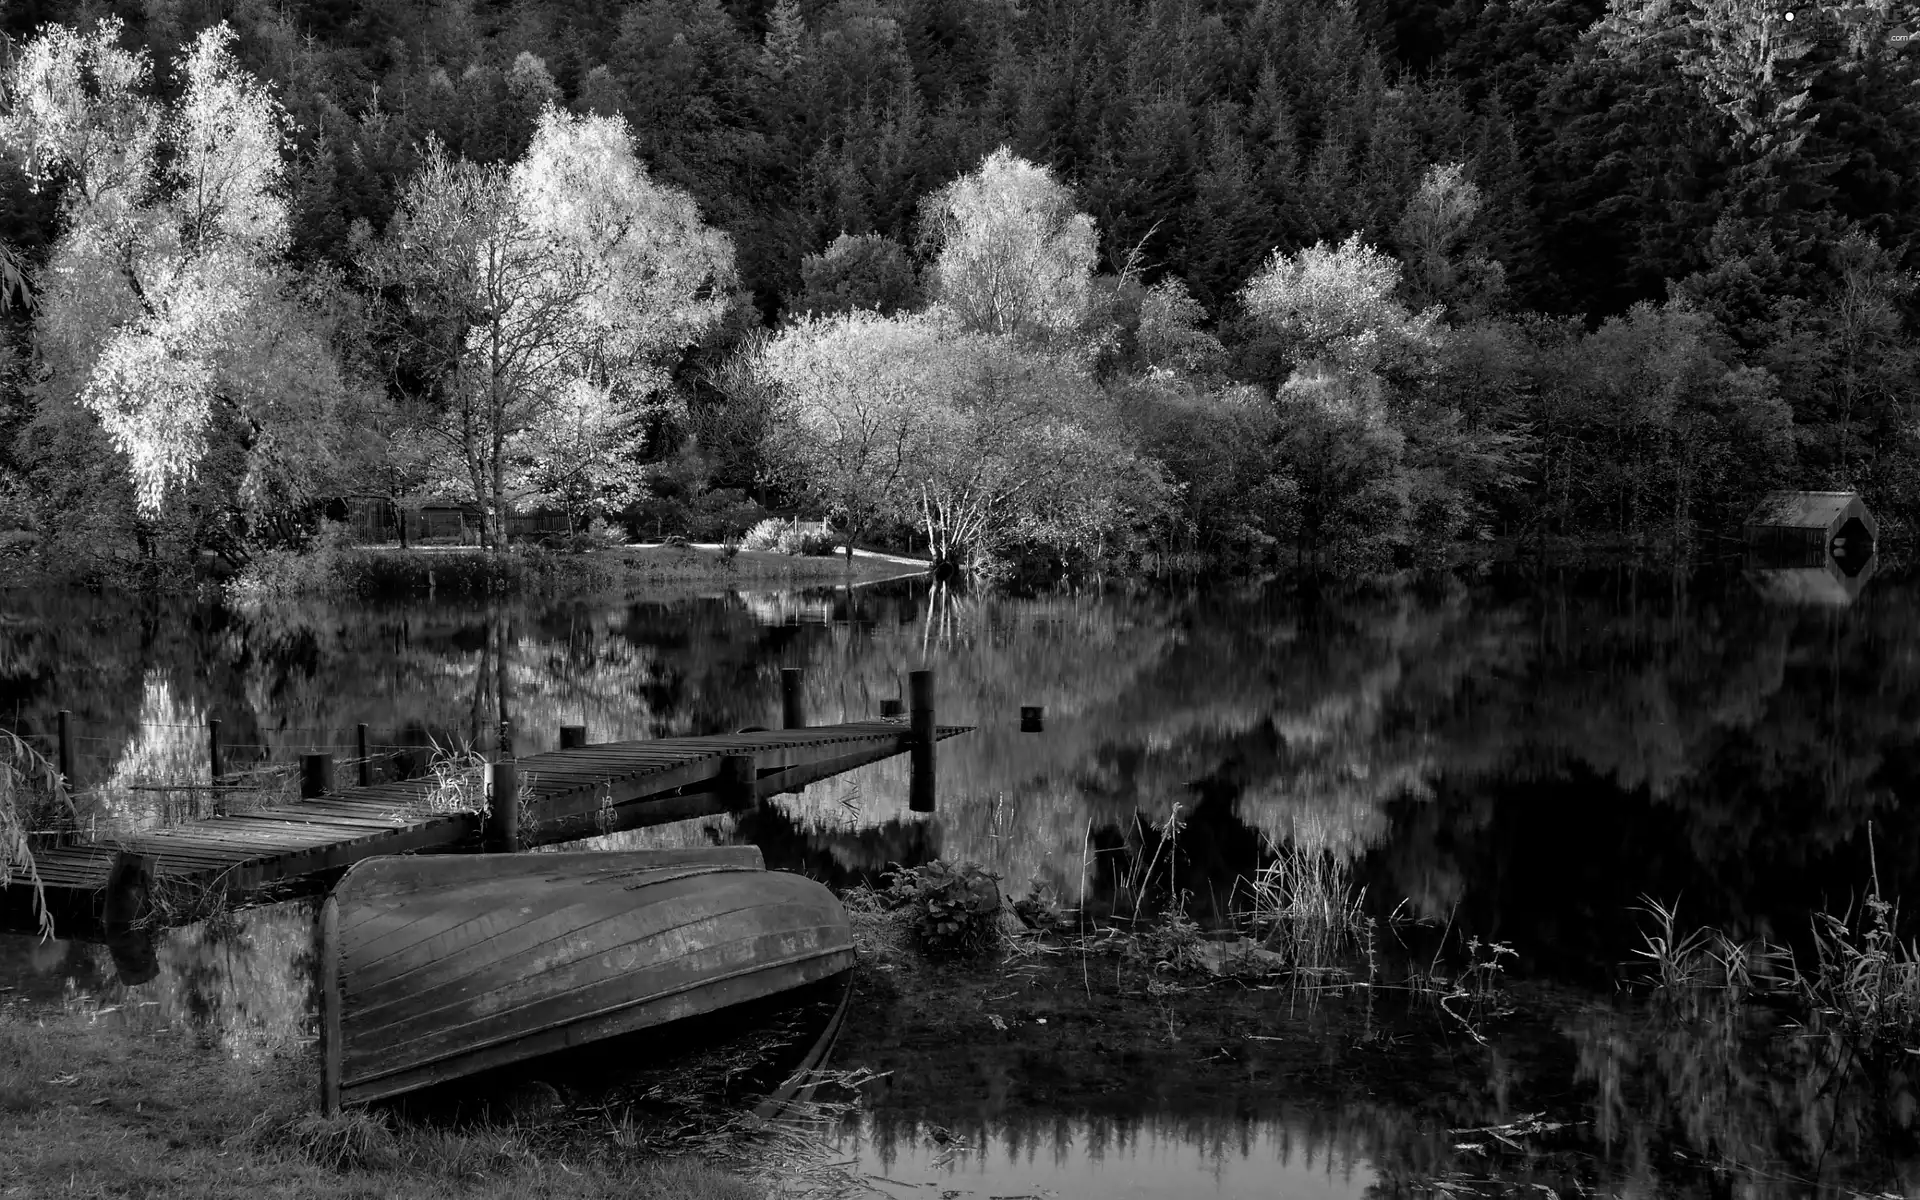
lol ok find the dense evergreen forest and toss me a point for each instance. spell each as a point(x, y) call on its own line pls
point(1134, 284)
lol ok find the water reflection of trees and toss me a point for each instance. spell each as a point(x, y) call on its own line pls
point(1467, 736)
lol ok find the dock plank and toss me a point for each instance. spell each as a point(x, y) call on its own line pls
point(574, 793)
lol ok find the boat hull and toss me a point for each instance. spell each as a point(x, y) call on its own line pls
point(436, 967)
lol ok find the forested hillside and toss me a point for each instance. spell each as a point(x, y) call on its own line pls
point(1050, 284)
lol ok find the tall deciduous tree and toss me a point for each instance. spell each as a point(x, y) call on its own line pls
point(993, 449)
point(1336, 306)
point(166, 311)
point(514, 287)
point(1014, 254)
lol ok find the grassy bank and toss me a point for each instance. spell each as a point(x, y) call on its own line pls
point(90, 1108)
point(372, 572)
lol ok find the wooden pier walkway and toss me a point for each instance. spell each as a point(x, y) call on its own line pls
point(564, 795)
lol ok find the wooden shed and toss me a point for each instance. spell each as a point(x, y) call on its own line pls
point(1809, 529)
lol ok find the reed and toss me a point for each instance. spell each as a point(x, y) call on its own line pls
point(1307, 908)
point(1705, 963)
point(456, 780)
point(1864, 974)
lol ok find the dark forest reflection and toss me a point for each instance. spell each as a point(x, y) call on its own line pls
point(1523, 756)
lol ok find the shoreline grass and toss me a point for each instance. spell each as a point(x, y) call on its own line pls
point(93, 1108)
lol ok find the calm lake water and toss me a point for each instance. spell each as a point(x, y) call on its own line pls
point(1510, 756)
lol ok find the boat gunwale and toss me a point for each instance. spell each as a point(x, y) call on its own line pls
point(597, 1014)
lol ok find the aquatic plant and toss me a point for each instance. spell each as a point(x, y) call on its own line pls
point(457, 780)
point(955, 909)
point(33, 797)
point(1864, 974)
point(1306, 908)
point(1706, 960)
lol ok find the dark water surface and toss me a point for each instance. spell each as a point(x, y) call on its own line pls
point(1513, 757)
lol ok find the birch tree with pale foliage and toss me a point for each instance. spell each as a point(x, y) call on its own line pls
point(1015, 254)
point(521, 290)
point(1335, 306)
point(164, 300)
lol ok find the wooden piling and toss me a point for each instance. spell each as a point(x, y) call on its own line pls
point(66, 747)
point(1032, 719)
point(214, 758)
point(128, 893)
point(316, 775)
point(503, 814)
point(920, 791)
point(573, 737)
point(737, 775)
point(793, 711)
point(892, 708)
point(366, 760)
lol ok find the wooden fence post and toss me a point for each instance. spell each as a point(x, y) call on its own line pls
point(793, 712)
point(573, 737)
point(316, 775)
point(366, 760)
point(66, 747)
point(503, 813)
point(920, 791)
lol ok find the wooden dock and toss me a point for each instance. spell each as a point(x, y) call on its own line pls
point(564, 795)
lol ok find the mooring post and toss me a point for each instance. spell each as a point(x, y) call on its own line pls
point(66, 747)
point(316, 775)
point(1032, 719)
point(793, 712)
point(572, 737)
point(503, 814)
point(366, 760)
point(738, 772)
point(920, 734)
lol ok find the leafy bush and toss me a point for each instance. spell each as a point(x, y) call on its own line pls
point(955, 909)
point(807, 541)
point(787, 537)
point(765, 535)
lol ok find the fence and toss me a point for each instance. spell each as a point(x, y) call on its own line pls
point(377, 520)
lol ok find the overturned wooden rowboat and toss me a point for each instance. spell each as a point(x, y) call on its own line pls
point(436, 967)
